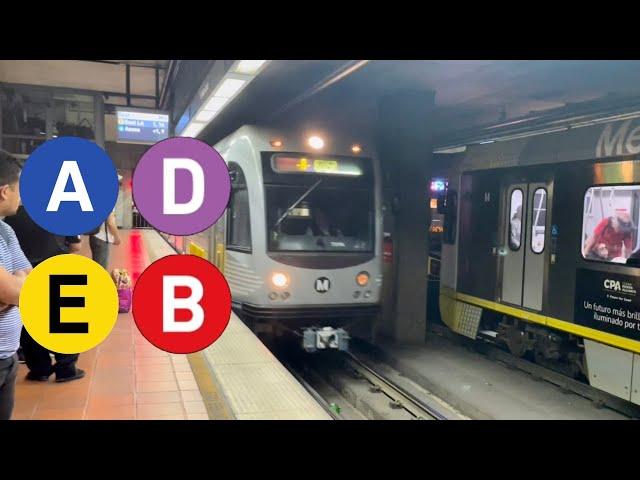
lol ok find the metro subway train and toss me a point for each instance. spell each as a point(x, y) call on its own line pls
point(301, 242)
point(540, 250)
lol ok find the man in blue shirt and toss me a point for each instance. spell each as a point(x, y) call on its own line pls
point(14, 268)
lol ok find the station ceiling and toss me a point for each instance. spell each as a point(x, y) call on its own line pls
point(343, 95)
point(468, 93)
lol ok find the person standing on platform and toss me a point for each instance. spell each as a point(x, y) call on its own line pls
point(39, 245)
point(108, 234)
point(14, 268)
point(100, 242)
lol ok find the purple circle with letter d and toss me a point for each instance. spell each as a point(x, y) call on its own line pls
point(181, 186)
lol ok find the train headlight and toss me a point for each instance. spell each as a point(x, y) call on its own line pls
point(280, 280)
point(316, 142)
point(356, 148)
point(276, 143)
point(362, 279)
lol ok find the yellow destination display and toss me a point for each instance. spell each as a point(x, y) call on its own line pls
point(326, 166)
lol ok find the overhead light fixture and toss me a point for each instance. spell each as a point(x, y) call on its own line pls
point(215, 103)
point(241, 73)
point(451, 149)
point(249, 67)
point(193, 129)
point(206, 115)
point(229, 87)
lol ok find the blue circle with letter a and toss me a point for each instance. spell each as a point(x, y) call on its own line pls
point(69, 186)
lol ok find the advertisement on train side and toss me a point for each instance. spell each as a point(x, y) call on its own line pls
point(608, 301)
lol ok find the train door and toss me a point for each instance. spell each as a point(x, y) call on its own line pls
point(523, 252)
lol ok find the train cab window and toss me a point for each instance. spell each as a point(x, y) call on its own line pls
point(538, 220)
point(610, 223)
point(239, 224)
point(330, 219)
point(515, 220)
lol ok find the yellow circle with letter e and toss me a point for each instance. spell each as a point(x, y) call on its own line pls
point(69, 304)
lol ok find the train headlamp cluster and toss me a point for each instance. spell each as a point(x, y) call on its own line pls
point(362, 279)
point(315, 142)
point(280, 280)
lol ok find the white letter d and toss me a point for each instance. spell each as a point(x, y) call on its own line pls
point(169, 167)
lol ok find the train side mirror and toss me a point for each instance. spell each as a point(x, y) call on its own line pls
point(442, 203)
point(447, 202)
point(448, 206)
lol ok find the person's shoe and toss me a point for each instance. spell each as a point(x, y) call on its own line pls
point(37, 378)
point(21, 358)
point(78, 375)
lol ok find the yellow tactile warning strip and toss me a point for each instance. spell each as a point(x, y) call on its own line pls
point(217, 407)
point(579, 330)
point(256, 385)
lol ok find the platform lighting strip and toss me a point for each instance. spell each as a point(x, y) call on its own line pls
point(577, 124)
point(241, 73)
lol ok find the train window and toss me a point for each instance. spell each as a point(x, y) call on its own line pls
point(327, 219)
point(610, 223)
point(538, 220)
point(515, 220)
point(239, 224)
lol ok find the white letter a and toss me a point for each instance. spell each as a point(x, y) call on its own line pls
point(79, 194)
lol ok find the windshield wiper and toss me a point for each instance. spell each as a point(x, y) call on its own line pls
point(295, 204)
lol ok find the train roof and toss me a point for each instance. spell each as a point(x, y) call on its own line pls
point(608, 140)
point(597, 135)
point(336, 143)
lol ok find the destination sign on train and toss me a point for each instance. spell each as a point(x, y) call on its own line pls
point(322, 165)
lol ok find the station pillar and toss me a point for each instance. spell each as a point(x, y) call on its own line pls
point(405, 146)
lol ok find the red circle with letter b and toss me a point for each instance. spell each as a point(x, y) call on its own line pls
point(181, 304)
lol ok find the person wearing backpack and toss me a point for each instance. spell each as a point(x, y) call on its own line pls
point(101, 239)
point(39, 245)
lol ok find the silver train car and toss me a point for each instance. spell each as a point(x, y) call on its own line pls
point(301, 242)
point(541, 249)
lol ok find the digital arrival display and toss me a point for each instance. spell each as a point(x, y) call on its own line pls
point(285, 163)
point(145, 127)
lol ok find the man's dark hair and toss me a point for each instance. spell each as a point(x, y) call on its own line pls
point(9, 168)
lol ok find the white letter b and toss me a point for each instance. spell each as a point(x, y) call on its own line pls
point(170, 303)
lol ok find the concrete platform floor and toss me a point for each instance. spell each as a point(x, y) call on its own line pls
point(485, 389)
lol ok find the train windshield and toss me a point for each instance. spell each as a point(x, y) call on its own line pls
point(320, 217)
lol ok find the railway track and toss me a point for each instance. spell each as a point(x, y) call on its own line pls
point(398, 396)
point(352, 388)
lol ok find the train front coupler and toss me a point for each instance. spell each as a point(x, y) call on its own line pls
point(325, 338)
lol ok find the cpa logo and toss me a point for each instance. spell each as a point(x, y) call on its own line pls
point(612, 285)
point(323, 284)
point(181, 303)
